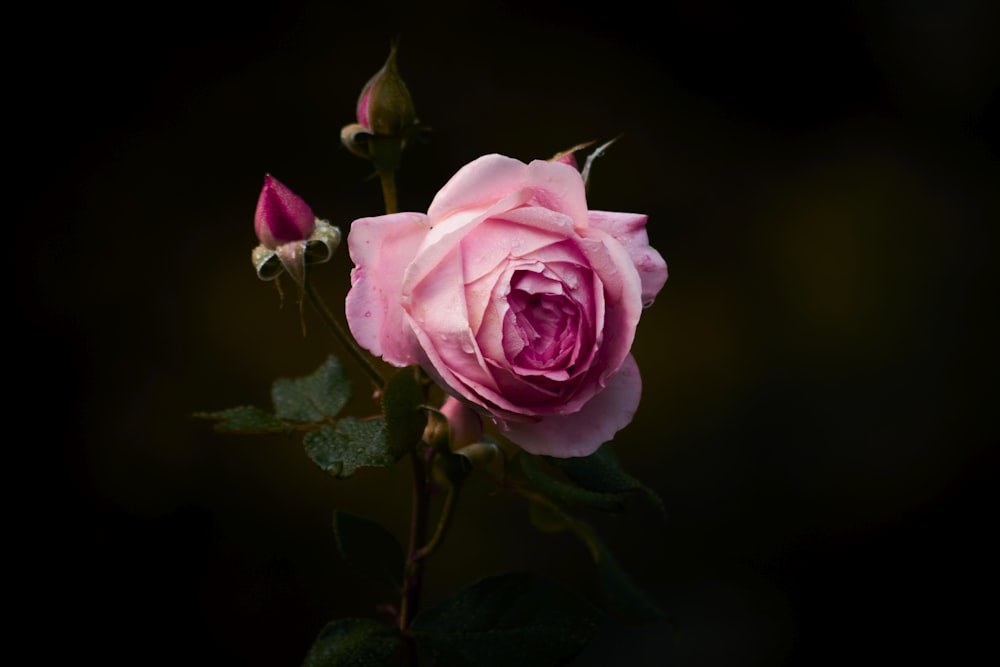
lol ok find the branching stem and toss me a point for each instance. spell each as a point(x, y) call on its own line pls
point(337, 329)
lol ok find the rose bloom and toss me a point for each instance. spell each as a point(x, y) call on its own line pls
point(515, 298)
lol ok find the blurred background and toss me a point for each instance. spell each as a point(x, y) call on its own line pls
point(819, 404)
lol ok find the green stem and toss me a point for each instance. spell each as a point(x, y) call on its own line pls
point(413, 574)
point(388, 179)
point(444, 520)
point(337, 329)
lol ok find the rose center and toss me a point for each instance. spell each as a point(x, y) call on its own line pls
point(545, 324)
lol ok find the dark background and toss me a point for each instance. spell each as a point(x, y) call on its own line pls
point(818, 413)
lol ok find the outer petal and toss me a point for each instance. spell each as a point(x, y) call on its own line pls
point(478, 184)
point(490, 178)
point(582, 433)
point(381, 249)
point(630, 230)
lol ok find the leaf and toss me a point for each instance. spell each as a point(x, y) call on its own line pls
point(546, 519)
point(511, 619)
point(244, 419)
point(370, 548)
point(405, 419)
point(625, 600)
point(312, 398)
point(352, 444)
point(565, 493)
point(602, 472)
point(354, 642)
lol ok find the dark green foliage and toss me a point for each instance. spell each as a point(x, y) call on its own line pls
point(511, 619)
point(245, 419)
point(312, 398)
point(601, 472)
point(352, 444)
point(402, 401)
point(354, 642)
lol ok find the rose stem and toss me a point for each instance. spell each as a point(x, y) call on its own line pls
point(444, 520)
point(388, 179)
point(338, 331)
point(413, 574)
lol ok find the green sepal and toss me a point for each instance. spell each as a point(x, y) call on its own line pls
point(352, 444)
point(480, 454)
point(313, 398)
point(245, 419)
point(402, 406)
point(565, 493)
point(370, 548)
point(450, 470)
point(511, 619)
point(602, 472)
point(354, 642)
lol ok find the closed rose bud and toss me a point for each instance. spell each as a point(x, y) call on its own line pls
point(385, 106)
point(466, 425)
point(282, 216)
point(386, 119)
point(290, 235)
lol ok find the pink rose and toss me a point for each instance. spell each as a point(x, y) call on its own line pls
point(515, 298)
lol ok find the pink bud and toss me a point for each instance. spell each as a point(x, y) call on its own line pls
point(466, 426)
point(282, 216)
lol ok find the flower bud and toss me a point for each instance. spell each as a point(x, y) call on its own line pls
point(569, 157)
point(291, 237)
point(282, 216)
point(465, 425)
point(386, 119)
point(385, 106)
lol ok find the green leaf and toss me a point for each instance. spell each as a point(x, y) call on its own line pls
point(354, 642)
point(546, 519)
point(603, 473)
point(245, 419)
point(352, 444)
point(511, 619)
point(625, 600)
point(565, 493)
point(405, 419)
point(370, 548)
point(312, 398)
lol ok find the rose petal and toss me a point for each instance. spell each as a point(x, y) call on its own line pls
point(582, 433)
point(630, 230)
point(554, 186)
point(381, 248)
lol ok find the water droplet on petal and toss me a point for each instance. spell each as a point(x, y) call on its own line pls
point(647, 303)
point(368, 313)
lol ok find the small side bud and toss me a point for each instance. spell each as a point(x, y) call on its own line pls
point(569, 157)
point(465, 425)
point(290, 236)
point(282, 216)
